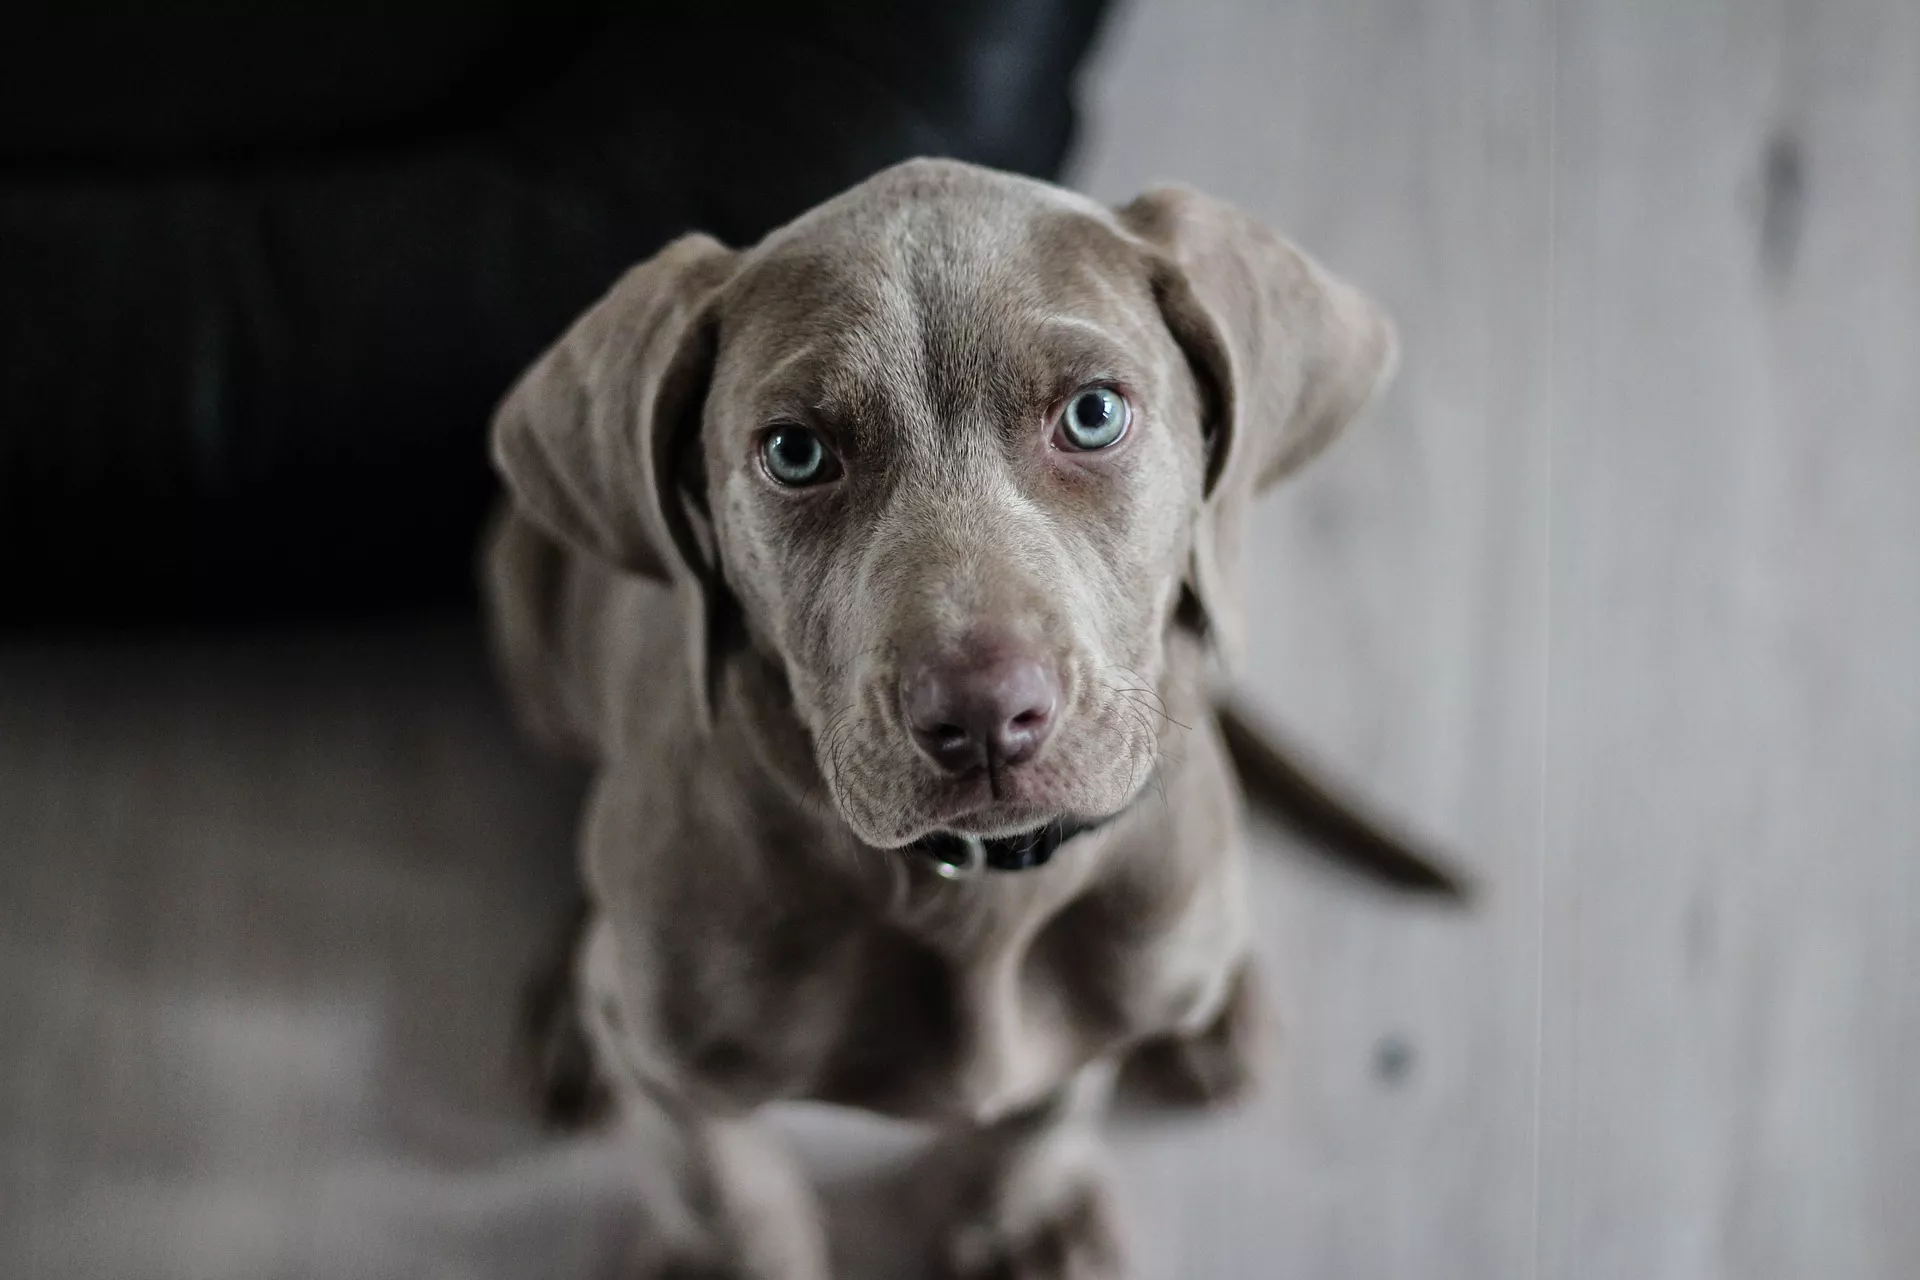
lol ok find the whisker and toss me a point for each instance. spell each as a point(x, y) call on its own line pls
point(1145, 687)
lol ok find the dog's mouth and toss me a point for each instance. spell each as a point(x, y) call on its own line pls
point(892, 800)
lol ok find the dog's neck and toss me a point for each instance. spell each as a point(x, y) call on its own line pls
point(958, 855)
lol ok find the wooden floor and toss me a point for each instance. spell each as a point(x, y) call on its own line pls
point(1618, 594)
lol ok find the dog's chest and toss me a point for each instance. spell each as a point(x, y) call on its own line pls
point(951, 1012)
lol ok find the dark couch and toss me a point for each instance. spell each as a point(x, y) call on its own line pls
point(261, 281)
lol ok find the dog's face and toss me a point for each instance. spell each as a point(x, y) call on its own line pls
point(953, 456)
point(964, 449)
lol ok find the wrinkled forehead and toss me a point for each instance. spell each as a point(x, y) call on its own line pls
point(868, 314)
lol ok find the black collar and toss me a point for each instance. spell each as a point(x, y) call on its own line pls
point(956, 855)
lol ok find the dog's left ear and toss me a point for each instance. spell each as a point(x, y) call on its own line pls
point(598, 440)
point(1286, 354)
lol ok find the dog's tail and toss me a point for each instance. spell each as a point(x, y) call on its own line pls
point(1279, 785)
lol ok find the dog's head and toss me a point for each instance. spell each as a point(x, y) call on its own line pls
point(962, 450)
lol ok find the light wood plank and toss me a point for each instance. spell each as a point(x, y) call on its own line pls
point(1735, 744)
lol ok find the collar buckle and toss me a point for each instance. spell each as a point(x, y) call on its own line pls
point(972, 862)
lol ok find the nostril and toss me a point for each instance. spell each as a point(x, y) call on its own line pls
point(1031, 718)
point(949, 735)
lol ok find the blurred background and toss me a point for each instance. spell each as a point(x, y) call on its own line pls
point(1617, 596)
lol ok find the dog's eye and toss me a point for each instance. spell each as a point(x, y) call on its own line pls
point(796, 456)
point(1095, 418)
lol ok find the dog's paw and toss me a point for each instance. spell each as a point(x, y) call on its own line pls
point(1215, 1066)
point(1075, 1239)
point(556, 1058)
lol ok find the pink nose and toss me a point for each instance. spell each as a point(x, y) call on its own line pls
point(994, 706)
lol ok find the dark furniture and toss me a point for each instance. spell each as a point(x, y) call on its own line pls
point(262, 280)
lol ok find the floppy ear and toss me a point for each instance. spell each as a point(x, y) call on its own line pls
point(1286, 355)
point(592, 441)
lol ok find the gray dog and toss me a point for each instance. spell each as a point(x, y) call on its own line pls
point(870, 566)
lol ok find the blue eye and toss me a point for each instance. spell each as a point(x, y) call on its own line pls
point(1095, 418)
point(796, 457)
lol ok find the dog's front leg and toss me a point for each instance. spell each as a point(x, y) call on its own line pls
point(718, 1197)
point(1026, 1198)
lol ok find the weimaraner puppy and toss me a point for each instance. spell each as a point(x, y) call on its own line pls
point(883, 571)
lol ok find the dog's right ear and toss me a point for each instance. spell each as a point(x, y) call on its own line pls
point(589, 441)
